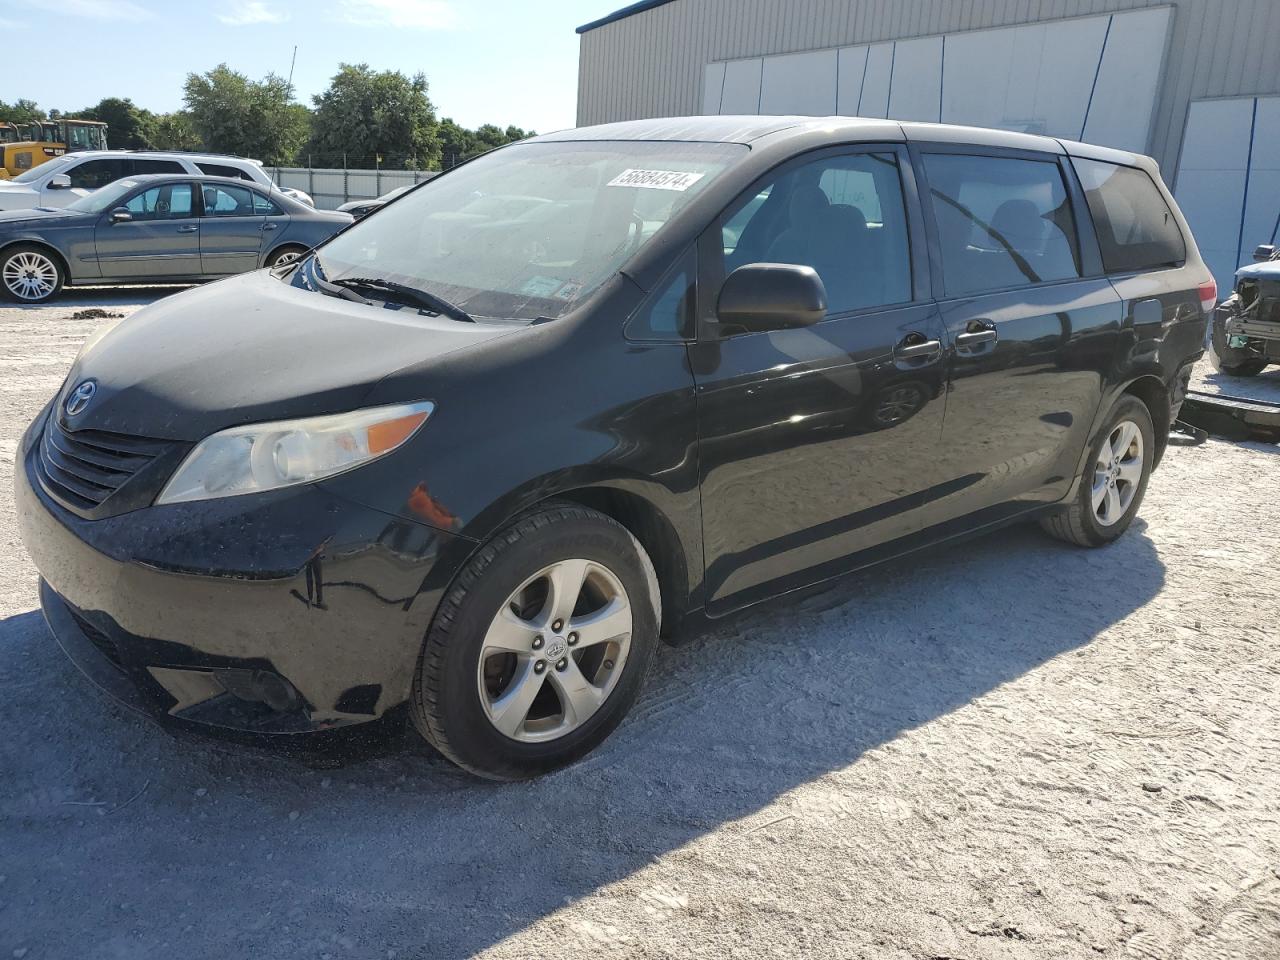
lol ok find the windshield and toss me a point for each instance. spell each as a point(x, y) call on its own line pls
point(108, 196)
point(36, 172)
point(528, 230)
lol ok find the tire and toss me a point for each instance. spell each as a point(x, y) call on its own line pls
point(30, 274)
point(284, 255)
point(1083, 522)
point(493, 710)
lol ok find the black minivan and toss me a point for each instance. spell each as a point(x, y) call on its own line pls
point(472, 457)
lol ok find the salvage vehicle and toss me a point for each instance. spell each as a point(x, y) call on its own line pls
point(168, 229)
point(66, 179)
point(468, 469)
point(1245, 335)
point(362, 208)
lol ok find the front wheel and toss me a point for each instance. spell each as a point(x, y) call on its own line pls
point(30, 274)
point(1114, 479)
point(540, 646)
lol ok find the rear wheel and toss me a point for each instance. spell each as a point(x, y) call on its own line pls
point(1114, 479)
point(540, 646)
point(285, 256)
point(30, 274)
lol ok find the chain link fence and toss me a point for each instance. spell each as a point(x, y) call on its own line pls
point(332, 187)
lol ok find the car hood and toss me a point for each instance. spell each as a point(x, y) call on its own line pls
point(1267, 270)
point(251, 349)
point(36, 215)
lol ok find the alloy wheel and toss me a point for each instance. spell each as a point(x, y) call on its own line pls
point(1117, 473)
point(289, 256)
point(29, 275)
point(554, 651)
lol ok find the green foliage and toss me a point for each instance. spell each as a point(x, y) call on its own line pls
point(457, 143)
point(20, 111)
point(172, 131)
point(233, 114)
point(128, 126)
point(365, 115)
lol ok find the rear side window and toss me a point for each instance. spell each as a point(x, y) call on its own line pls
point(264, 207)
point(141, 166)
point(1002, 222)
point(222, 170)
point(1136, 228)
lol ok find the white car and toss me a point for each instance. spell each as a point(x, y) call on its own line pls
point(65, 179)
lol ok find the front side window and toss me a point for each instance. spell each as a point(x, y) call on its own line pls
point(1002, 222)
point(172, 201)
point(93, 174)
point(1136, 228)
point(843, 215)
point(529, 230)
point(227, 201)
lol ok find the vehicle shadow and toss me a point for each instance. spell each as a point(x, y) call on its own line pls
point(120, 839)
point(106, 297)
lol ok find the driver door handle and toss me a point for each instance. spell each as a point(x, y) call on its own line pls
point(915, 347)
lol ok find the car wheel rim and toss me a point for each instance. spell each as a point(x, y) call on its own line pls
point(554, 651)
point(1117, 473)
point(30, 276)
point(287, 257)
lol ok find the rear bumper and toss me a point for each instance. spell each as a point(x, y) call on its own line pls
point(281, 613)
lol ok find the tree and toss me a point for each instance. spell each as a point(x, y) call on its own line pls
point(128, 127)
point(233, 114)
point(457, 143)
point(173, 131)
point(20, 111)
point(365, 115)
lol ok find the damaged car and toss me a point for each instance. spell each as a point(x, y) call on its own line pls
point(1246, 326)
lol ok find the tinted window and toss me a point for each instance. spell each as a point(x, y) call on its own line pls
point(142, 166)
point(1002, 222)
point(93, 174)
point(222, 170)
point(1136, 228)
point(169, 202)
point(264, 207)
point(226, 201)
point(669, 315)
point(842, 215)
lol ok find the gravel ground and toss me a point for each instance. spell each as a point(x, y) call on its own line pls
point(1006, 749)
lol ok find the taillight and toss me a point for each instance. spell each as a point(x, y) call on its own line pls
point(1208, 295)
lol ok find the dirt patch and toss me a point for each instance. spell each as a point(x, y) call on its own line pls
point(96, 313)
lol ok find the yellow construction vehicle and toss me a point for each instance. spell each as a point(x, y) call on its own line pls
point(27, 145)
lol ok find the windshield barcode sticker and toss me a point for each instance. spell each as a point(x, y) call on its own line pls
point(656, 179)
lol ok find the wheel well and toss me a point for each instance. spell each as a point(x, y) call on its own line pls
point(655, 533)
point(1152, 392)
point(52, 251)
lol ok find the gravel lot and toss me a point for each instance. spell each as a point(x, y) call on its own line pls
point(1007, 749)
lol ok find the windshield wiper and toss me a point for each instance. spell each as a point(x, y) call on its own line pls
point(333, 289)
point(403, 293)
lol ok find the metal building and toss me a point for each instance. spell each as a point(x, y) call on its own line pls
point(1194, 83)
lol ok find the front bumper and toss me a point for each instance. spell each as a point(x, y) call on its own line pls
point(276, 613)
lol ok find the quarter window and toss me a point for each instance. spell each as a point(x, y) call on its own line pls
point(1002, 222)
point(222, 170)
point(669, 314)
point(1136, 228)
point(843, 215)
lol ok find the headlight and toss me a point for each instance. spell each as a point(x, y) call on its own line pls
point(264, 456)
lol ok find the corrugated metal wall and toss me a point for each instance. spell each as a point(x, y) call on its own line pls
point(651, 64)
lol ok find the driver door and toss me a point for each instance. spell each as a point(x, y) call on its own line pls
point(161, 240)
point(819, 443)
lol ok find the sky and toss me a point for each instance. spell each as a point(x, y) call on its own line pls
point(487, 61)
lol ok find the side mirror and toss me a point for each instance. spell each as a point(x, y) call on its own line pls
point(772, 296)
point(121, 215)
point(59, 181)
point(1263, 252)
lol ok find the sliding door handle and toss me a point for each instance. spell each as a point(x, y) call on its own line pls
point(915, 347)
point(975, 338)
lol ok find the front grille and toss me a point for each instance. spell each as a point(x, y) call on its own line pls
point(104, 643)
point(83, 468)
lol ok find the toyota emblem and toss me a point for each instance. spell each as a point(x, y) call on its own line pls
point(80, 397)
